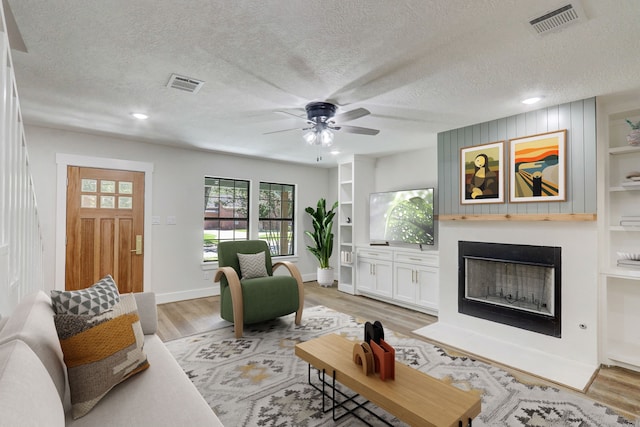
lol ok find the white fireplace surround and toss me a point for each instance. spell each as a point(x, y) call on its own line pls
point(517, 285)
point(570, 360)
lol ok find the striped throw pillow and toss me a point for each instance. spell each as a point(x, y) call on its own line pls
point(252, 265)
point(100, 351)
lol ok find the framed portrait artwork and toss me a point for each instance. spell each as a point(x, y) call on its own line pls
point(482, 174)
point(537, 167)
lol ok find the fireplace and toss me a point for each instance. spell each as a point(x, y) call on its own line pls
point(516, 285)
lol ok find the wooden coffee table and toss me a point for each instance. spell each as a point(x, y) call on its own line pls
point(413, 397)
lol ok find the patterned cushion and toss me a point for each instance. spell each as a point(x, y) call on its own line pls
point(252, 265)
point(94, 300)
point(100, 351)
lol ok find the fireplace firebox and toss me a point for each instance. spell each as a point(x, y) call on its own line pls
point(516, 285)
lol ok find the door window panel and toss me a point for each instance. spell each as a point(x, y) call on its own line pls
point(89, 185)
point(107, 202)
point(88, 201)
point(125, 202)
point(107, 186)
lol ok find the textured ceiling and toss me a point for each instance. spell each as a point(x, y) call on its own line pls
point(419, 66)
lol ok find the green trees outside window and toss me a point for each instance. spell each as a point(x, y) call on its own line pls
point(276, 215)
point(226, 213)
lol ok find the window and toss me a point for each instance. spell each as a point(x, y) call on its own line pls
point(226, 213)
point(276, 204)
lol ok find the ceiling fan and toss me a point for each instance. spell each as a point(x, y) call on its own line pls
point(323, 121)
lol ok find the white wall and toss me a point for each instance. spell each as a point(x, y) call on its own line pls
point(405, 171)
point(178, 179)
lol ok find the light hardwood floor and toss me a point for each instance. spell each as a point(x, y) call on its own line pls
point(616, 387)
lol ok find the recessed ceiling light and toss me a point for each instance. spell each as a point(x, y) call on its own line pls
point(531, 100)
point(335, 152)
point(140, 116)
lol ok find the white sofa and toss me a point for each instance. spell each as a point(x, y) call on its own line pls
point(34, 388)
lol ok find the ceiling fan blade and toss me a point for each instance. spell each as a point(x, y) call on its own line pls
point(359, 130)
point(351, 115)
point(293, 115)
point(279, 131)
point(15, 37)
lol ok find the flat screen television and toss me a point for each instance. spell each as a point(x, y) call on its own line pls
point(404, 216)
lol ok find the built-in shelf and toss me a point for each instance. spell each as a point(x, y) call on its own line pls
point(624, 150)
point(622, 273)
point(354, 185)
point(620, 286)
point(624, 228)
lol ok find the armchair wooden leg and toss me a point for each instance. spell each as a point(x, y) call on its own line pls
point(239, 327)
point(238, 310)
point(236, 297)
point(295, 273)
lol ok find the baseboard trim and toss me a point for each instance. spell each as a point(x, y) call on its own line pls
point(163, 298)
point(309, 277)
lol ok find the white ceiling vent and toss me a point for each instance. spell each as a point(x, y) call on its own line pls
point(185, 83)
point(557, 19)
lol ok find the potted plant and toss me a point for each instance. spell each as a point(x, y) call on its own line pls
point(322, 237)
point(634, 137)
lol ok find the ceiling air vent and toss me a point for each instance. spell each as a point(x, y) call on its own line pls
point(557, 19)
point(185, 83)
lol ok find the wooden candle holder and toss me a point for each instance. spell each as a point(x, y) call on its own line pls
point(385, 359)
point(363, 355)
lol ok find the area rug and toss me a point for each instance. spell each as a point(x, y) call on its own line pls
point(258, 381)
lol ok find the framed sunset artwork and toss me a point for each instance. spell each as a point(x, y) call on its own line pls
point(537, 167)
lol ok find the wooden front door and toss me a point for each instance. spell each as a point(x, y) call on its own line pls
point(105, 222)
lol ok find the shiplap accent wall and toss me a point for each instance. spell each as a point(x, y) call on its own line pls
point(579, 118)
point(21, 256)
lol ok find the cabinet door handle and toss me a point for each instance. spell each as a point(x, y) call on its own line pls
point(416, 259)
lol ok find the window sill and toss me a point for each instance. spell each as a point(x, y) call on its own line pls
point(208, 266)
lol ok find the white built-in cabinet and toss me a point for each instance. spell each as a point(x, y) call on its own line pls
point(345, 226)
point(619, 284)
point(415, 279)
point(400, 276)
point(355, 183)
point(374, 273)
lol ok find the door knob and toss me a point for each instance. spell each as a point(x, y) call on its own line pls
point(138, 249)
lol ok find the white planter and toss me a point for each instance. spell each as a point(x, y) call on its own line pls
point(634, 137)
point(325, 276)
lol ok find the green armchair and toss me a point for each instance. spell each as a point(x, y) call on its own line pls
point(256, 299)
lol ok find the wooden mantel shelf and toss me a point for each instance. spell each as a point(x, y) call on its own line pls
point(519, 217)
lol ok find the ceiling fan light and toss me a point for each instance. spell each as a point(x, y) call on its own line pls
point(310, 136)
point(326, 137)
